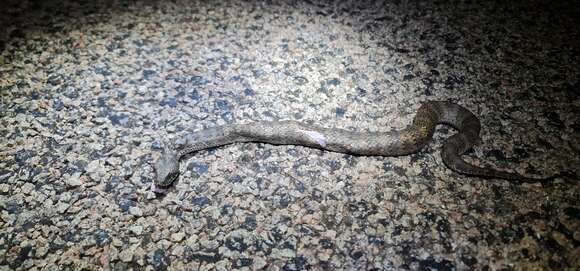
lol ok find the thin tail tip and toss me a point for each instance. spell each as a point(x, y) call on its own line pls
point(552, 178)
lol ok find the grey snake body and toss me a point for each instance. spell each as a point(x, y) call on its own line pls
point(391, 143)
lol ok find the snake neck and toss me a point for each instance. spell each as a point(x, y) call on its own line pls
point(205, 139)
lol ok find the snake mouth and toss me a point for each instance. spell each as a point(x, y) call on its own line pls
point(157, 190)
point(165, 178)
point(161, 184)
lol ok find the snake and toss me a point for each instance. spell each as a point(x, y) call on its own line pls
point(390, 143)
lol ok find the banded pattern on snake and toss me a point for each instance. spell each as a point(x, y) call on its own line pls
point(391, 143)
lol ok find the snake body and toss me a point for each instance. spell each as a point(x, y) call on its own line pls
point(391, 143)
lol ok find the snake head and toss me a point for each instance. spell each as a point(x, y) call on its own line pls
point(166, 169)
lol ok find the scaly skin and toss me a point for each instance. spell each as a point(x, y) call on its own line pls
point(392, 143)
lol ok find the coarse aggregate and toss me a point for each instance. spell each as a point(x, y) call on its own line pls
point(91, 91)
